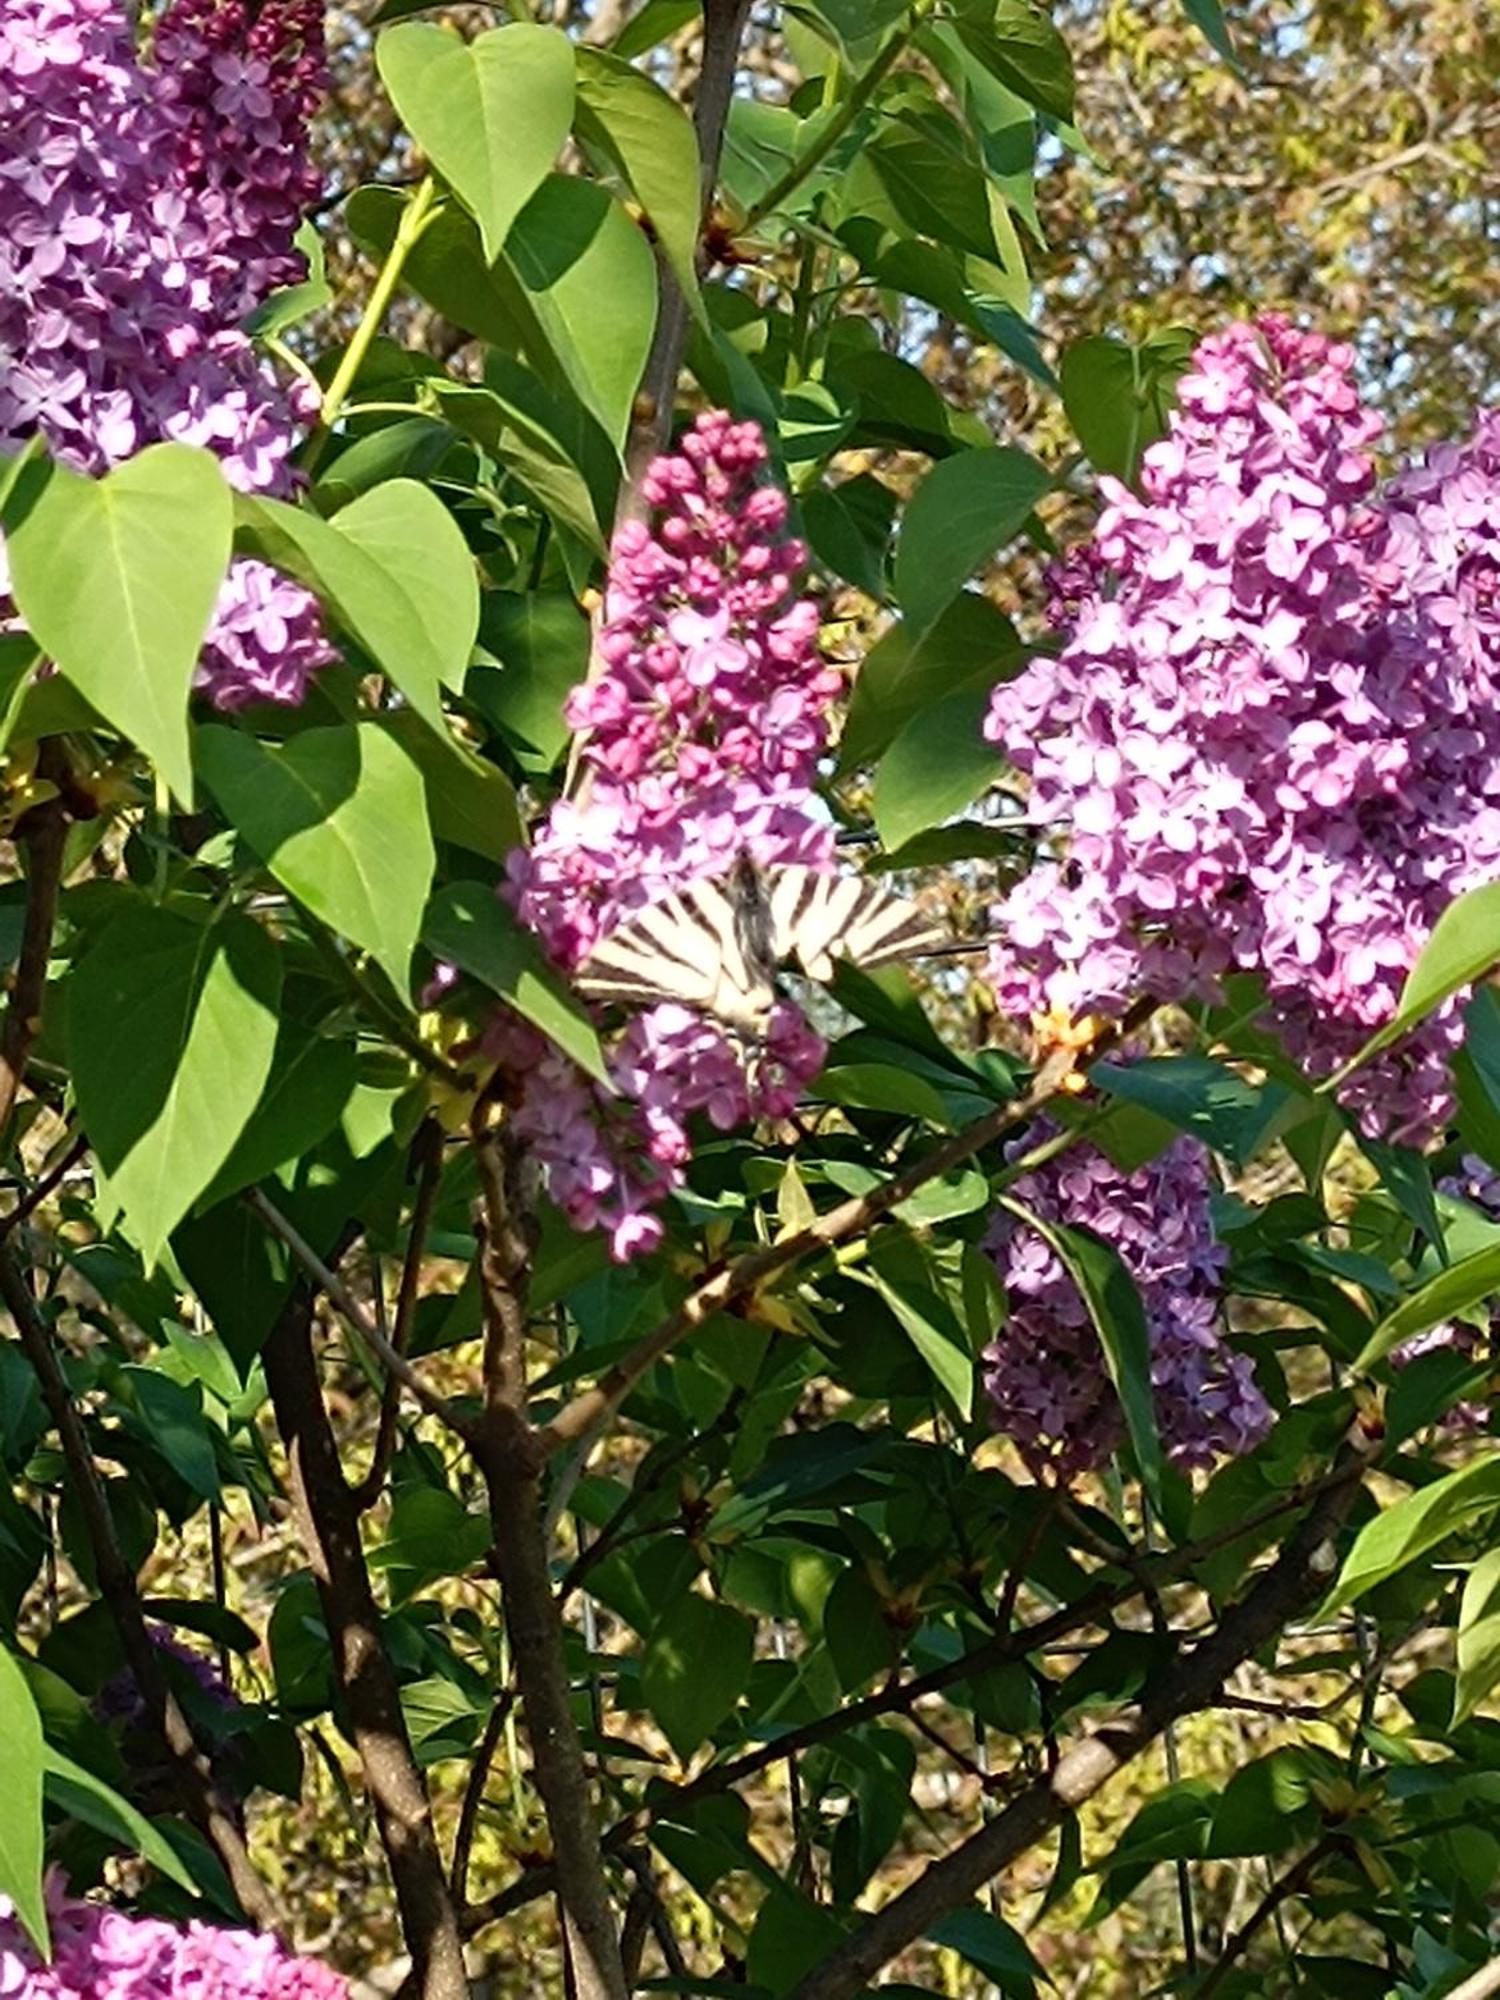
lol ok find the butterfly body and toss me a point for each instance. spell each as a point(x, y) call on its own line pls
point(718, 945)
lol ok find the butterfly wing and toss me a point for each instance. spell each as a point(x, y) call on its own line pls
point(817, 918)
point(694, 947)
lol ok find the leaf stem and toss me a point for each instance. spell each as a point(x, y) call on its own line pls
point(415, 218)
point(854, 104)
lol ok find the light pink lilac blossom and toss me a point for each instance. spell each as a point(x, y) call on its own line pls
point(145, 208)
point(700, 740)
point(1049, 1388)
point(103, 1954)
point(1271, 741)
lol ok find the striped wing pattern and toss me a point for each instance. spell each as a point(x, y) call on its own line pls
point(715, 946)
point(692, 947)
point(816, 919)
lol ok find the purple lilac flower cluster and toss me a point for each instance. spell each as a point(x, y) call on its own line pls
point(119, 1700)
point(103, 1954)
point(701, 731)
point(1271, 741)
point(1045, 1372)
point(144, 209)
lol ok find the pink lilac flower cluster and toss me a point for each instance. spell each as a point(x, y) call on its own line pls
point(700, 735)
point(1045, 1373)
point(144, 209)
point(103, 1954)
point(1271, 740)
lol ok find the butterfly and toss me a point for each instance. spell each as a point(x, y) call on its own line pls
point(718, 945)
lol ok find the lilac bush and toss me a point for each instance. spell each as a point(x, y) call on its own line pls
point(702, 729)
point(1048, 1385)
point(145, 209)
point(104, 1954)
point(1271, 741)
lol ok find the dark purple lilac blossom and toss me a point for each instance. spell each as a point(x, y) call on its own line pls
point(1271, 742)
point(1045, 1373)
point(145, 208)
point(701, 737)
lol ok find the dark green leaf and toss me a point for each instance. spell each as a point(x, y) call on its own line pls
point(1203, 1097)
point(695, 1668)
point(83, 1796)
point(1114, 1306)
point(964, 510)
point(469, 926)
point(971, 645)
point(542, 645)
point(995, 1947)
point(937, 765)
point(470, 801)
point(312, 1078)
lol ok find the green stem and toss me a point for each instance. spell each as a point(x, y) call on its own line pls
point(415, 217)
point(859, 97)
point(399, 1031)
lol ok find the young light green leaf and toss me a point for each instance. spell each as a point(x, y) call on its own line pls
point(651, 139)
point(77, 1792)
point(934, 1331)
point(938, 765)
point(171, 1028)
point(965, 509)
point(394, 571)
point(339, 816)
point(492, 114)
point(21, 1821)
point(1114, 1306)
point(1455, 1289)
point(1407, 1530)
point(468, 925)
point(117, 578)
point(1465, 944)
point(695, 1668)
point(1478, 1637)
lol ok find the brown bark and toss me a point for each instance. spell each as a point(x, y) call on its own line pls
point(327, 1519)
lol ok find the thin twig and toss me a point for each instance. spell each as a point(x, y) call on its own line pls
point(479, 1777)
point(327, 1523)
point(214, 1813)
point(1296, 1578)
point(48, 1184)
point(900, 1696)
point(589, 1411)
point(1480, 1985)
point(43, 834)
point(1291, 1883)
point(350, 1309)
point(506, 1448)
point(428, 1149)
